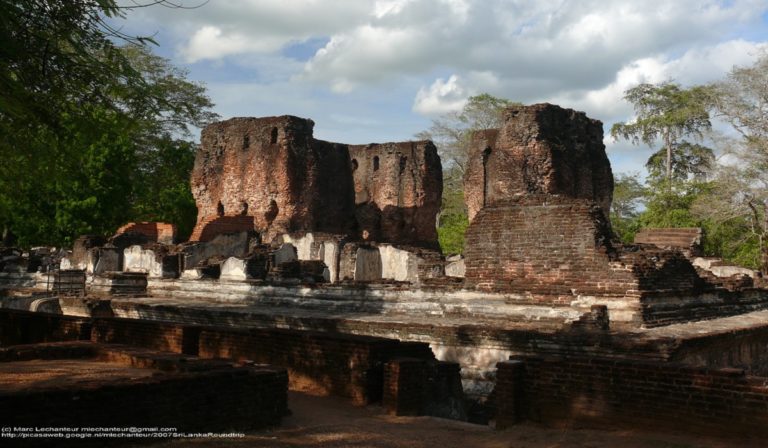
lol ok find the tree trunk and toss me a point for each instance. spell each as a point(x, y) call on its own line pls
point(762, 240)
point(668, 144)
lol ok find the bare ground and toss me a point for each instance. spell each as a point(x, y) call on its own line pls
point(330, 422)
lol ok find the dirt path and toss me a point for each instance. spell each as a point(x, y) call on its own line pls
point(329, 422)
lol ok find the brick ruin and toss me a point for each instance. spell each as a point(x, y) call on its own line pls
point(272, 171)
point(331, 249)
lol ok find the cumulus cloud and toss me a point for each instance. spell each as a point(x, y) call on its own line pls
point(441, 97)
point(435, 53)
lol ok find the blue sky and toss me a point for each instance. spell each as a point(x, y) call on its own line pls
point(380, 70)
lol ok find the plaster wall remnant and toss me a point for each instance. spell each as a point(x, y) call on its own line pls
point(286, 182)
point(234, 268)
point(285, 254)
point(540, 149)
point(397, 264)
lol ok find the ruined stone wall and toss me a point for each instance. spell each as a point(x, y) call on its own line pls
point(540, 149)
point(559, 248)
point(22, 327)
point(159, 232)
point(398, 189)
point(272, 169)
point(610, 393)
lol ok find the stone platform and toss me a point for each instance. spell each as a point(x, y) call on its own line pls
point(474, 330)
point(79, 385)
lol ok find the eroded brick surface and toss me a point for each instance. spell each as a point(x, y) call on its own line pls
point(540, 149)
point(270, 175)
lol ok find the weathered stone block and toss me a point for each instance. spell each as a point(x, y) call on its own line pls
point(108, 259)
point(285, 254)
point(156, 263)
point(221, 246)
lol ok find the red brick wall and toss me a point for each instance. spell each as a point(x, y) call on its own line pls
point(219, 399)
point(326, 363)
point(555, 248)
point(23, 327)
point(155, 231)
point(162, 336)
point(208, 228)
point(603, 392)
point(547, 245)
point(687, 239)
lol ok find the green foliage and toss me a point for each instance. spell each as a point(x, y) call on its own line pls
point(452, 221)
point(162, 190)
point(451, 233)
point(689, 160)
point(91, 131)
point(732, 241)
point(668, 113)
point(451, 134)
point(671, 207)
point(628, 194)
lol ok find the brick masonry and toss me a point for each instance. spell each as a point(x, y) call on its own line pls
point(610, 393)
point(159, 232)
point(326, 363)
point(188, 394)
point(273, 171)
point(687, 239)
point(539, 149)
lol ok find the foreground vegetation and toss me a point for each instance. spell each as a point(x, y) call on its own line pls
point(95, 127)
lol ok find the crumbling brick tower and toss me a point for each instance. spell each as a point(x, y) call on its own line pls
point(270, 175)
point(538, 192)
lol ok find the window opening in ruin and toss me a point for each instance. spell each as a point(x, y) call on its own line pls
point(486, 155)
point(244, 210)
point(375, 163)
point(272, 211)
point(403, 161)
point(354, 165)
point(273, 136)
point(220, 209)
point(246, 141)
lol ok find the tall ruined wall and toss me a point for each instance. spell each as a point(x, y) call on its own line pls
point(273, 170)
point(539, 149)
point(398, 189)
point(539, 192)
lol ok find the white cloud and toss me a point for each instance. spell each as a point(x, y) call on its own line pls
point(441, 97)
point(436, 53)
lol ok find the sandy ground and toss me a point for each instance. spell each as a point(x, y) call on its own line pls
point(329, 422)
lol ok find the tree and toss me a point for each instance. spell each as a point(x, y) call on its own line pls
point(452, 131)
point(740, 198)
point(628, 194)
point(451, 134)
point(689, 161)
point(86, 123)
point(668, 113)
